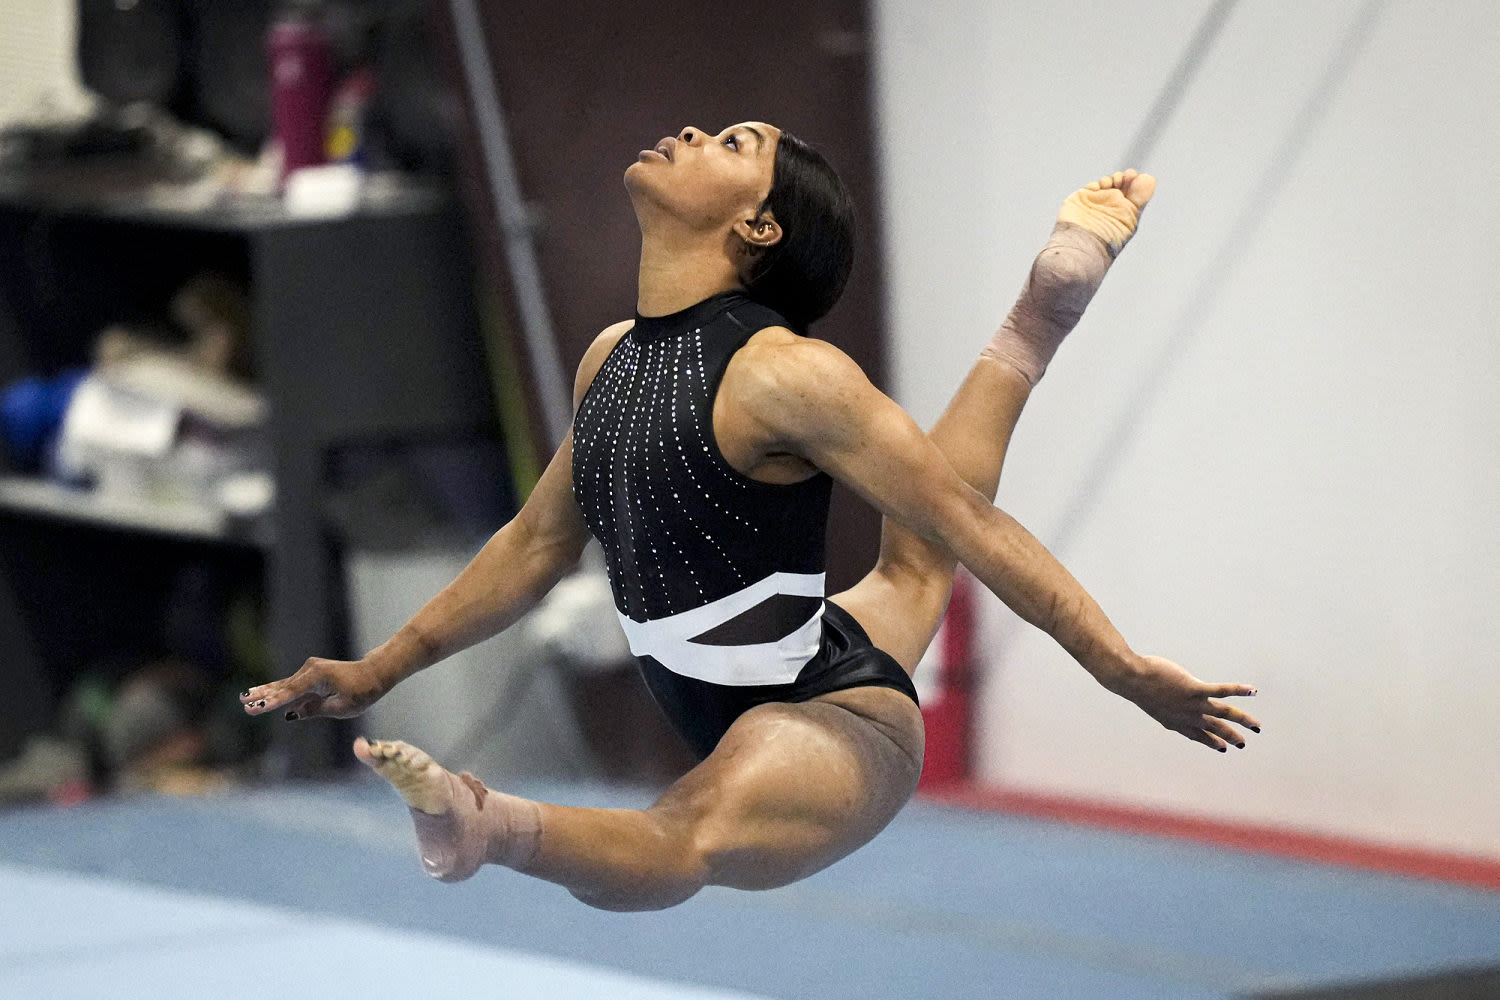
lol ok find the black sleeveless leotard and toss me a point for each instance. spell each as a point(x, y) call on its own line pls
point(717, 577)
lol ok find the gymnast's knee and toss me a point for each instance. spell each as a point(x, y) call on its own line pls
point(642, 899)
point(736, 851)
point(677, 868)
point(925, 585)
point(673, 880)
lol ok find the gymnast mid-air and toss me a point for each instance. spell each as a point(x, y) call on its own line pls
point(706, 434)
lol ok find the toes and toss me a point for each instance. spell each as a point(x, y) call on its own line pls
point(415, 757)
point(413, 774)
point(364, 751)
point(1139, 188)
point(378, 753)
point(375, 752)
point(1136, 186)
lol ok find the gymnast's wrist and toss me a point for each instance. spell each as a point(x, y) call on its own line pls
point(1107, 657)
point(400, 656)
point(1115, 668)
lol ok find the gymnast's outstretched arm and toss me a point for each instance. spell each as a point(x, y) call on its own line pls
point(901, 601)
point(516, 568)
point(811, 400)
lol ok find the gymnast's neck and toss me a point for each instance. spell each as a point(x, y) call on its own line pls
point(680, 269)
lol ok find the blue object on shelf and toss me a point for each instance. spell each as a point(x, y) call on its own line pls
point(31, 412)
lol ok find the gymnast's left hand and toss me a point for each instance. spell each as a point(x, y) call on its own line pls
point(327, 689)
point(1184, 704)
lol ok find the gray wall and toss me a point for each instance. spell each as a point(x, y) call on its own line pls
point(1270, 449)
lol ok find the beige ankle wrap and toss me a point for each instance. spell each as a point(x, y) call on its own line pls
point(481, 826)
point(1064, 277)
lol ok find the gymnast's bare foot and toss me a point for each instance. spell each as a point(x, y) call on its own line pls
point(1110, 207)
point(1093, 226)
point(460, 823)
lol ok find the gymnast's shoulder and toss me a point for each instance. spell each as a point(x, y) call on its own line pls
point(595, 355)
point(778, 366)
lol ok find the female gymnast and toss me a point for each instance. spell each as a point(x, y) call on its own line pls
point(705, 435)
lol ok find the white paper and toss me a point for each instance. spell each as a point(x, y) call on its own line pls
point(104, 416)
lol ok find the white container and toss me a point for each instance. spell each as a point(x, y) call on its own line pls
point(499, 709)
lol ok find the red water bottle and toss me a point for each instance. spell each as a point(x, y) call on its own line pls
point(300, 53)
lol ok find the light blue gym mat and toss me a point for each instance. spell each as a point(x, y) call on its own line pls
point(314, 891)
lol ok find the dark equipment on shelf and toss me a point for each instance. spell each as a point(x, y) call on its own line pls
point(228, 59)
point(205, 62)
point(133, 52)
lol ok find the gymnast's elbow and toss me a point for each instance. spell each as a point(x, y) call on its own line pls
point(966, 524)
point(950, 515)
point(530, 558)
point(547, 557)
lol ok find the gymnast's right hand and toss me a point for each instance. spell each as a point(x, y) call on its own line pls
point(321, 689)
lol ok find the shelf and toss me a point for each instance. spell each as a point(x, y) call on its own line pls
point(178, 207)
point(364, 330)
point(192, 522)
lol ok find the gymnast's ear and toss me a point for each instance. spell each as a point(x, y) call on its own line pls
point(760, 232)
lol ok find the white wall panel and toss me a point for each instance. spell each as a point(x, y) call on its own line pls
point(38, 75)
point(1310, 500)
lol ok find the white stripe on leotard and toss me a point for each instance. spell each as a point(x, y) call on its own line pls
point(776, 662)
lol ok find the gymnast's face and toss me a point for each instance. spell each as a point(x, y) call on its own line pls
point(706, 181)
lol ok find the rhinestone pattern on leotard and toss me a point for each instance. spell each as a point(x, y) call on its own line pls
point(679, 527)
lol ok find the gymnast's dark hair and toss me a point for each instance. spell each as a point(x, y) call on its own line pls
point(804, 273)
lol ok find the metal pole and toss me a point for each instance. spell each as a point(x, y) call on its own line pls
point(552, 389)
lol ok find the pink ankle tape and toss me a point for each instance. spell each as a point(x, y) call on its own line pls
point(1064, 277)
point(523, 834)
point(480, 826)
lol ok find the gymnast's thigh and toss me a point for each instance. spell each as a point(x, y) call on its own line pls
point(899, 609)
point(794, 787)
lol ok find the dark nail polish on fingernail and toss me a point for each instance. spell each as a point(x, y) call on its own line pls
point(1222, 749)
point(1255, 729)
point(291, 716)
point(1240, 745)
point(245, 693)
point(261, 703)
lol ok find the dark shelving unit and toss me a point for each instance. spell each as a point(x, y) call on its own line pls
point(364, 330)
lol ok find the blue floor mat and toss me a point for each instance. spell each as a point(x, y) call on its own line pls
point(945, 903)
point(76, 936)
